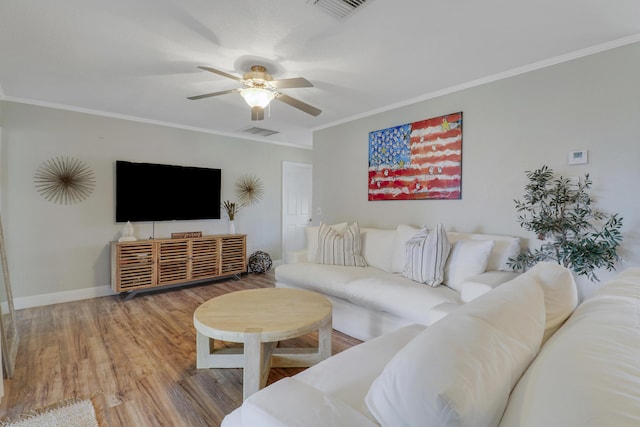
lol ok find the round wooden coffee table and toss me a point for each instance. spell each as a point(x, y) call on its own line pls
point(260, 318)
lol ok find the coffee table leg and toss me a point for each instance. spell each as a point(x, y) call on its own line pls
point(257, 364)
point(324, 341)
point(202, 350)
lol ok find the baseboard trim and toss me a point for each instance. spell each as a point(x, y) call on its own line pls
point(60, 297)
point(75, 295)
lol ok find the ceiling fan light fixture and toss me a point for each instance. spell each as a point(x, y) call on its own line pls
point(257, 97)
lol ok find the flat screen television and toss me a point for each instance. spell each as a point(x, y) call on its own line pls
point(155, 192)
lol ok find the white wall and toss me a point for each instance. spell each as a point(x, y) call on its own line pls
point(509, 126)
point(59, 248)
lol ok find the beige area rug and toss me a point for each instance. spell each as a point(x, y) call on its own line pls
point(67, 414)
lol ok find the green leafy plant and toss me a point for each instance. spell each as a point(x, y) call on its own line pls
point(231, 208)
point(573, 232)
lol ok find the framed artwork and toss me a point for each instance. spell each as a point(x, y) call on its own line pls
point(417, 161)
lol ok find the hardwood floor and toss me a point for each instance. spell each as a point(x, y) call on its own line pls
point(135, 359)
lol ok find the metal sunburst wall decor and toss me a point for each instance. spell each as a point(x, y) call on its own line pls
point(249, 190)
point(64, 180)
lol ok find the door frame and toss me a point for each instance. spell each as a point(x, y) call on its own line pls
point(286, 164)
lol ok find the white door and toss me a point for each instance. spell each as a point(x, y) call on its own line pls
point(296, 205)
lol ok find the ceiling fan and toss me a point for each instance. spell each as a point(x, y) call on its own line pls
point(260, 88)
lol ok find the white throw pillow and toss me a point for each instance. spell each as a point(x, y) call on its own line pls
point(340, 249)
point(427, 253)
point(505, 247)
point(460, 371)
point(467, 258)
point(311, 233)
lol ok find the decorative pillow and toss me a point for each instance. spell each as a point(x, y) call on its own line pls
point(340, 249)
point(312, 238)
point(460, 371)
point(505, 247)
point(403, 234)
point(467, 258)
point(427, 253)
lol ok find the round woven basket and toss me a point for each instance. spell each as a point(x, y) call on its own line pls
point(259, 262)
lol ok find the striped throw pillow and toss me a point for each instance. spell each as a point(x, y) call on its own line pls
point(427, 254)
point(340, 249)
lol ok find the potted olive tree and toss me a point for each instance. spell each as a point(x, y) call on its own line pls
point(563, 216)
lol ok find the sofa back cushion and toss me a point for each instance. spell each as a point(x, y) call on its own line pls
point(505, 247)
point(340, 249)
point(460, 371)
point(427, 254)
point(378, 246)
point(560, 294)
point(587, 374)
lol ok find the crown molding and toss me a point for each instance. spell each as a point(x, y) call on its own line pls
point(145, 121)
point(494, 77)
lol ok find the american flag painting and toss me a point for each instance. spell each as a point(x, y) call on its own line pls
point(416, 161)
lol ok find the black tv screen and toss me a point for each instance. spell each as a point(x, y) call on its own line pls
point(154, 192)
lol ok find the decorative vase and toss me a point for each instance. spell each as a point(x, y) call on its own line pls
point(232, 227)
point(127, 233)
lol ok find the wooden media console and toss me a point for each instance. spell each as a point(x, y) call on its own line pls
point(151, 264)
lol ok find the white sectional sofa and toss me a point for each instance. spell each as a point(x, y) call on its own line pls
point(370, 301)
point(507, 359)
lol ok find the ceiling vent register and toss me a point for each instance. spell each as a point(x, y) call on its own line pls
point(260, 131)
point(339, 8)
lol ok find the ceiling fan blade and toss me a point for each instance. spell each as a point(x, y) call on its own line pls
point(208, 95)
point(257, 113)
point(290, 83)
point(221, 73)
point(309, 109)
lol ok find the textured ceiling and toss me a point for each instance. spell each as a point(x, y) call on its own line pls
point(138, 59)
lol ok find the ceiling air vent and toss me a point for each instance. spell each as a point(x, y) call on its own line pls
point(338, 8)
point(260, 131)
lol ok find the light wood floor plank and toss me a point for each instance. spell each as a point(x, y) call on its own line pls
point(135, 359)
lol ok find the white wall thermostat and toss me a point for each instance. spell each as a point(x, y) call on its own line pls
point(578, 157)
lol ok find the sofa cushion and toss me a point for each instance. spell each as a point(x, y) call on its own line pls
point(397, 295)
point(340, 249)
point(460, 371)
point(587, 374)
point(467, 258)
point(345, 376)
point(311, 234)
point(560, 294)
point(370, 288)
point(478, 285)
point(331, 393)
point(378, 246)
point(273, 407)
point(403, 234)
point(505, 247)
point(326, 279)
point(427, 253)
